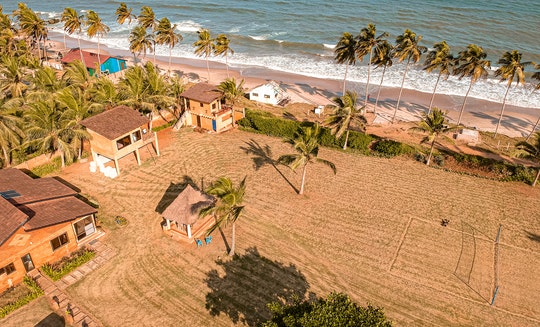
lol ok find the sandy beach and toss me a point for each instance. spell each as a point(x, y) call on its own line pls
point(480, 114)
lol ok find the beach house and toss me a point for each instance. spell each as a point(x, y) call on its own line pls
point(41, 220)
point(205, 108)
point(116, 133)
point(107, 64)
point(270, 93)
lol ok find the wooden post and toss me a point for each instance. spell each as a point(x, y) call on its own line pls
point(168, 224)
point(116, 166)
point(138, 156)
point(188, 230)
point(156, 143)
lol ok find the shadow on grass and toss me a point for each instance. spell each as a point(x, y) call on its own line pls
point(262, 156)
point(248, 283)
point(52, 320)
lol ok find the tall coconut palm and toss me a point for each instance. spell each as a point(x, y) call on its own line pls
point(103, 94)
point(407, 47)
point(76, 75)
point(435, 124)
point(44, 83)
point(383, 58)
point(536, 76)
point(511, 68)
point(367, 41)
point(531, 151)
point(73, 23)
point(223, 48)
point(32, 26)
point(228, 207)
point(204, 46)
point(147, 19)
point(306, 144)
point(345, 53)
point(10, 133)
point(471, 63)
point(344, 115)
point(232, 91)
point(140, 41)
point(166, 34)
point(95, 27)
point(442, 60)
point(75, 108)
point(123, 14)
point(13, 79)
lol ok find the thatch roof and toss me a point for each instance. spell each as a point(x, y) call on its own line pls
point(185, 208)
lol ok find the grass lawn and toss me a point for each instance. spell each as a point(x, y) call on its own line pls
point(372, 231)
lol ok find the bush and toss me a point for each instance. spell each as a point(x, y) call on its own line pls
point(53, 166)
point(438, 160)
point(390, 148)
point(35, 292)
point(67, 264)
point(420, 157)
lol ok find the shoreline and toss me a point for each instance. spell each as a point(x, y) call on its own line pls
point(480, 114)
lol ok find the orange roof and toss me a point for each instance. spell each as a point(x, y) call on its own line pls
point(90, 58)
point(203, 92)
point(115, 122)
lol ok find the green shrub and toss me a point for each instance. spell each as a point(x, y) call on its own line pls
point(438, 160)
point(390, 148)
point(35, 292)
point(67, 264)
point(53, 166)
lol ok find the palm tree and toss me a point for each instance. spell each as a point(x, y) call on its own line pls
point(407, 47)
point(345, 53)
point(228, 206)
point(96, 28)
point(74, 108)
point(73, 22)
point(140, 41)
point(12, 76)
point(10, 133)
point(434, 124)
point(536, 76)
point(147, 19)
point(204, 46)
point(103, 94)
point(166, 34)
point(511, 67)
point(531, 151)
point(44, 83)
point(306, 144)
point(32, 26)
point(76, 75)
point(368, 40)
point(232, 91)
point(344, 114)
point(383, 58)
point(472, 63)
point(439, 58)
point(123, 13)
point(222, 47)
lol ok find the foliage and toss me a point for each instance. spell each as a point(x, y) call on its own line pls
point(390, 148)
point(53, 166)
point(336, 310)
point(67, 264)
point(35, 292)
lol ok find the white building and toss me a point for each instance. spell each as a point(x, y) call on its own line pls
point(270, 93)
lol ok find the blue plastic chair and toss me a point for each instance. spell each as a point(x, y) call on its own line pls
point(208, 239)
point(199, 242)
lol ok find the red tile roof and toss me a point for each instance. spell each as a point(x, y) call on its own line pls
point(115, 122)
point(90, 58)
point(52, 212)
point(11, 219)
point(202, 92)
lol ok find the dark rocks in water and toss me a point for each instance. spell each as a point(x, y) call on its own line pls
point(53, 21)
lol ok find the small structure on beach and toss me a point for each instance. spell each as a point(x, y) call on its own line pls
point(270, 93)
point(107, 64)
point(205, 108)
point(182, 215)
point(41, 220)
point(115, 134)
point(470, 136)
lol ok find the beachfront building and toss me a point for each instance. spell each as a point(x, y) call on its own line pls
point(270, 93)
point(115, 133)
point(205, 108)
point(108, 64)
point(41, 221)
point(181, 217)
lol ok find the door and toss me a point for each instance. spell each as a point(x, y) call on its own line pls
point(27, 262)
point(199, 121)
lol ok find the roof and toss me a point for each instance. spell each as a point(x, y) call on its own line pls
point(31, 190)
point(52, 212)
point(203, 92)
point(115, 122)
point(185, 208)
point(11, 219)
point(90, 58)
point(271, 85)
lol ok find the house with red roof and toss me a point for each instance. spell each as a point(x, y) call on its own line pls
point(41, 221)
point(107, 64)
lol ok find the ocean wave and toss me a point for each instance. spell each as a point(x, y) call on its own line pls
point(188, 26)
point(329, 46)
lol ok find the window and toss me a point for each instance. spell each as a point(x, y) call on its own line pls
point(135, 136)
point(213, 106)
point(84, 227)
point(201, 104)
point(123, 142)
point(59, 241)
point(255, 94)
point(7, 269)
point(266, 96)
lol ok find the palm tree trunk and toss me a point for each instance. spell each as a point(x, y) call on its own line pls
point(80, 50)
point(98, 57)
point(502, 110)
point(65, 44)
point(401, 90)
point(464, 101)
point(303, 180)
point(346, 140)
point(6, 157)
point(232, 114)
point(227, 64)
point(170, 59)
point(154, 50)
point(233, 239)
point(62, 158)
point(433, 95)
point(345, 78)
point(430, 152)
point(379, 91)
point(368, 76)
point(208, 69)
point(39, 51)
point(533, 129)
point(536, 178)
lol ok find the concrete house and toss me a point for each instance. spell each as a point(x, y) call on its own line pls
point(41, 220)
point(270, 93)
point(108, 64)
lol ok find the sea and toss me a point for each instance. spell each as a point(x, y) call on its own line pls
point(298, 36)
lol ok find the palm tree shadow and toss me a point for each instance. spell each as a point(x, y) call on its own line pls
point(262, 156)
point(533, 237)
point(248, 283)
